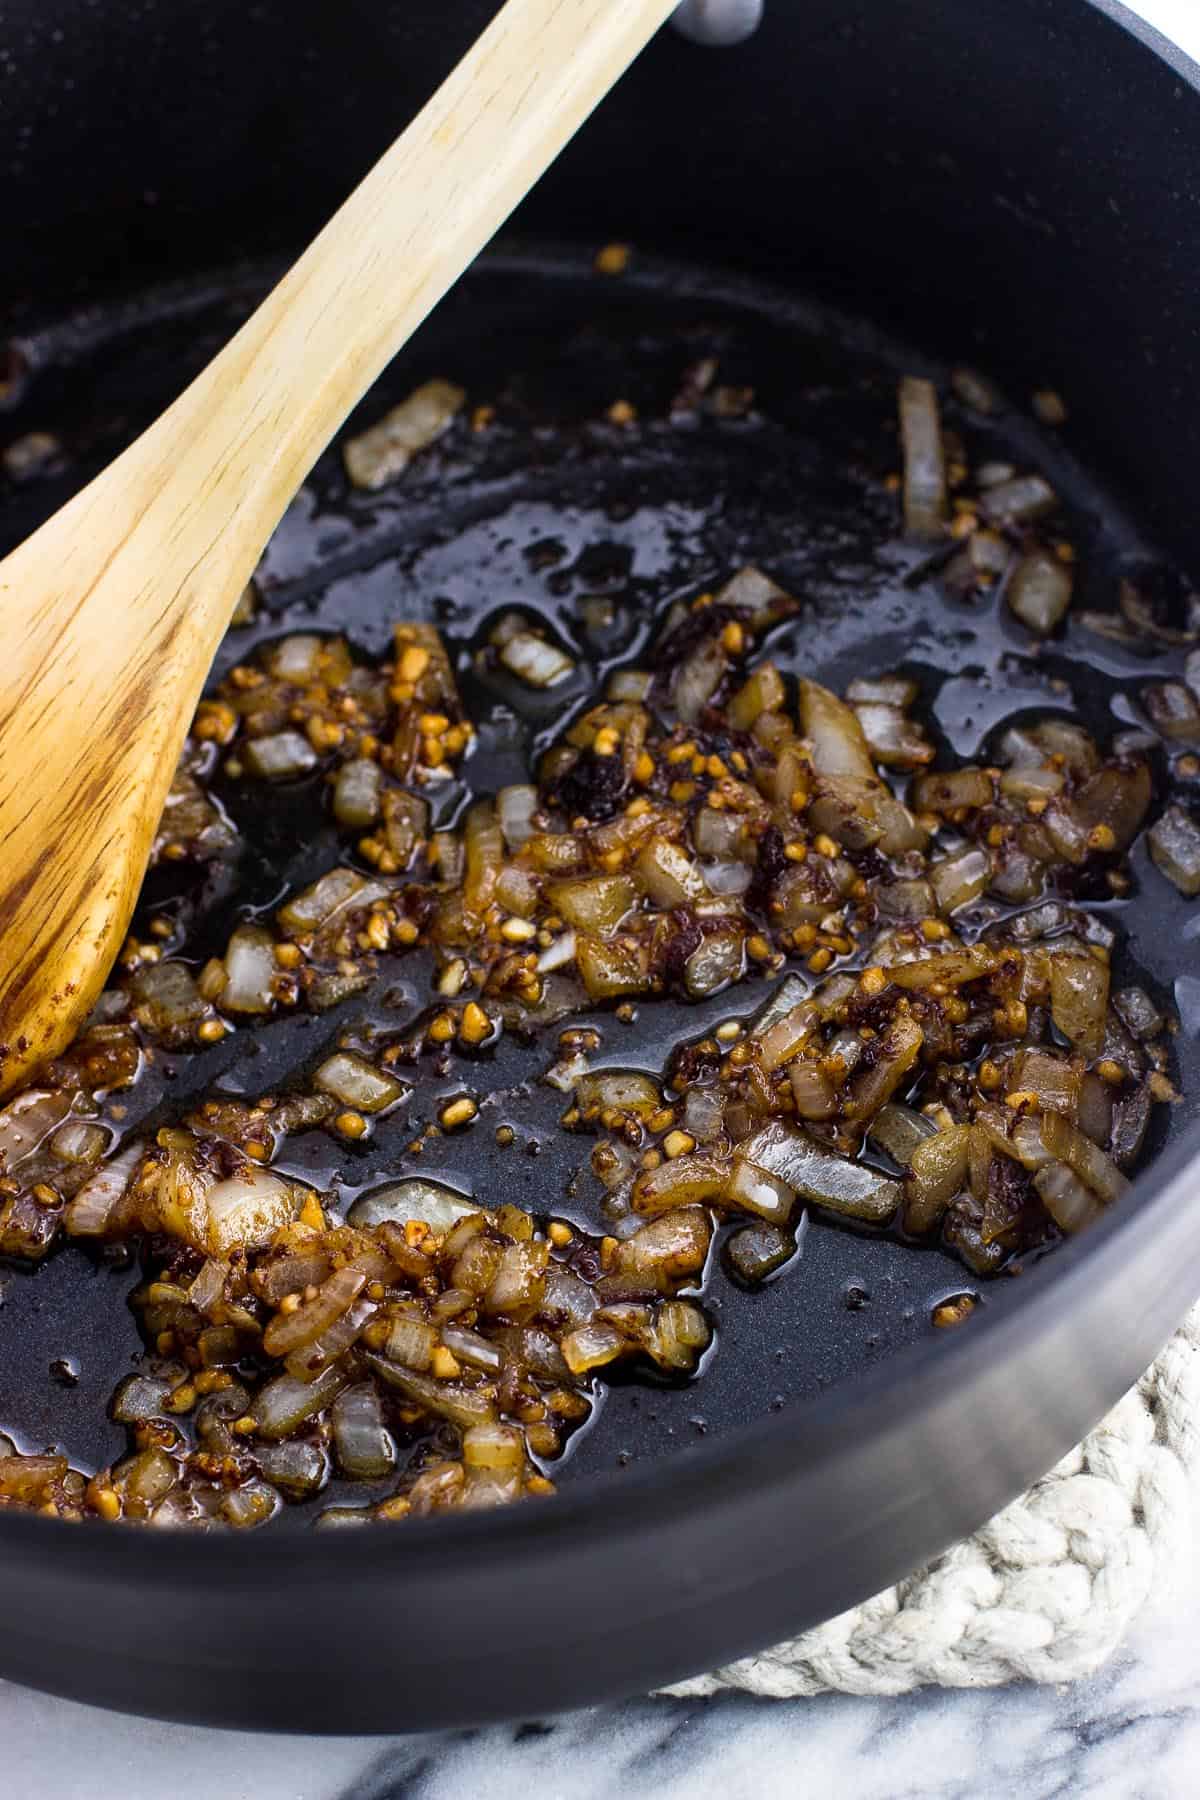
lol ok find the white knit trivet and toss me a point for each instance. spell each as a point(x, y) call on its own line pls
point(1046, 1590)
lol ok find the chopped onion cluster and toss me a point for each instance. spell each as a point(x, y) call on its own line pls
point(426, 1347)
point(943, 1057)
point(987, 1092)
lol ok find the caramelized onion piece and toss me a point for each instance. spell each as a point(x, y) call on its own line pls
point(1069, 1145)
point(1039, 591)
point(924, 477)
point(1069, 1201)
point(820, 1175)
point(1175, 846)
point(834, 733)
point(381, 454)
point(1079, 1000)
point(937, 1170)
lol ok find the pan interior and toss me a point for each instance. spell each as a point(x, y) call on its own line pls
point(552, 503)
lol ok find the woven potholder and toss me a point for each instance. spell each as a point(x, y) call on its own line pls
point(1046, 1590)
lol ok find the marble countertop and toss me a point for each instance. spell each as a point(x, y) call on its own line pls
point(1132, 1730)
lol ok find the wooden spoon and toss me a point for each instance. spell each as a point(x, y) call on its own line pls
point(113, 610)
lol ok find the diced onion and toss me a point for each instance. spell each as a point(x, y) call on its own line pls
point(289, 1331)
point(898, 1130)
point(924, 459)
point(483, 853)
point(591, 1346)
point(937, 1170)
point(883, 690)
point(412, 1341)
point(1068, 1144)
point(756, 1251)
point(286, 1403)
point(140, 1397)
point(471, 1347)
point(1018, 501)
point(967, 788)
point(789, 993)
point(785, 1035)
point(1131, 1118)
point(294, 658)
point(753, 1190)
point(597, 904)
point(309, 1361)
point(298, 1469)
point(610, 971)
point(813, 1092)
point(1139, 1012)
point(716, 833)
point(833, 730)
point(557, 954)
point(727, 880)
point(763, 691)
point(356, 1082)
point(377, 456)
point(280, 756)
point(667, 1250)
point(91, 1210)
point(1095, 1111)
point(250, 970)
point(976, 391)
point(1174, 841)
point(405, 825)
point(316, 905)
point(957, 880)
point(752, 590)
point(1173, 711)
point(566, 1072)
point(698, 679)
point(703, 1112)
point(681, 1181)
point(1050, 1078)
point(821, 1176)
point(26, 1120)
point(668, 875)
point(893, 738)
point(426, 1202)
point(1039, 591)
point(462, 1405)
point(1079, 1000)
point(717, 961)
point(519, 1284)
point(1029, 782)
point(167, 997)
point(246, 1211)
point(630, 684)
point(1141, 616)
point(209, 1286)
point(906, 899)
point(1070, 1203)
point(515, 807)
point(356, 793)
point(491, 1484)
point(536, 661)
point(622, 1090)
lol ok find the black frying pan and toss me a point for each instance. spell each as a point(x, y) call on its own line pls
point(998, 187)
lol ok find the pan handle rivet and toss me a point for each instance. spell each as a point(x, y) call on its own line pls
point(718, 22)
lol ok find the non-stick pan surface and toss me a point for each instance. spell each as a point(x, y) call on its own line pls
point(663, 1552)
point(550, 505)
